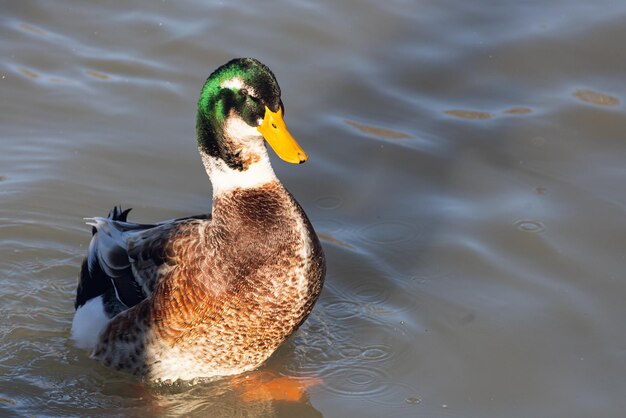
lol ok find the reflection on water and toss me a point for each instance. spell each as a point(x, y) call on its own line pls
point(469, 114)
point(378, 132)
point(596, 98)
point(32, 29)
point(98, 75)
point(518, 110)
point(465, 176)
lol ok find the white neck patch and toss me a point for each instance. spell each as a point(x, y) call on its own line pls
point(225, 179)
point(250, 140)
point(250, 143)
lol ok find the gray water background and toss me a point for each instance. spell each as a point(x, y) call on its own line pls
point(467, 177)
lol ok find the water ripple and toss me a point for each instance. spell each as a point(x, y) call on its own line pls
point(329, 226)
point(529, 225)
point(388, 232)
point(329, 202)
point(371, 353)
point(356, 380)
point(372, 292)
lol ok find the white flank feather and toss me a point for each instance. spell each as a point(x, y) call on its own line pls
point(89, 321)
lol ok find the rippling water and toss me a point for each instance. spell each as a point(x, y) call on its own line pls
point(466, 176)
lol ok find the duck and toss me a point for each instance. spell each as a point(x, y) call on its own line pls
point(217, 293)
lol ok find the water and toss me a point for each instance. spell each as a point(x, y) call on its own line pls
point(466, 175)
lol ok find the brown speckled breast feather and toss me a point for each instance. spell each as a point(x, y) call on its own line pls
point(224, 293)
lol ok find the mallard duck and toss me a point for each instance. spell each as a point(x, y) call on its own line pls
point(214, 294)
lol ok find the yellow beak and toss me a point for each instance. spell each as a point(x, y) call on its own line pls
point(276, 134)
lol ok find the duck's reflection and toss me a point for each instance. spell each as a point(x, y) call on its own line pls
point(256, 394)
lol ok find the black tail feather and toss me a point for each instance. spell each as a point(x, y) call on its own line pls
point(115, 214)
point(91, 284)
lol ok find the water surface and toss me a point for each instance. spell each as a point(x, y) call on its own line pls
point(466, 176)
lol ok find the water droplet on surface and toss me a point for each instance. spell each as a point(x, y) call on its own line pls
point(396, 395)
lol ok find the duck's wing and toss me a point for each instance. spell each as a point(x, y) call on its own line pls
point(126, 260)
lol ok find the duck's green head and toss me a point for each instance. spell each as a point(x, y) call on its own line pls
point(239, 104)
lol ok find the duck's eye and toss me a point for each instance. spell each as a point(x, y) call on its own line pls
point(243, 92)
